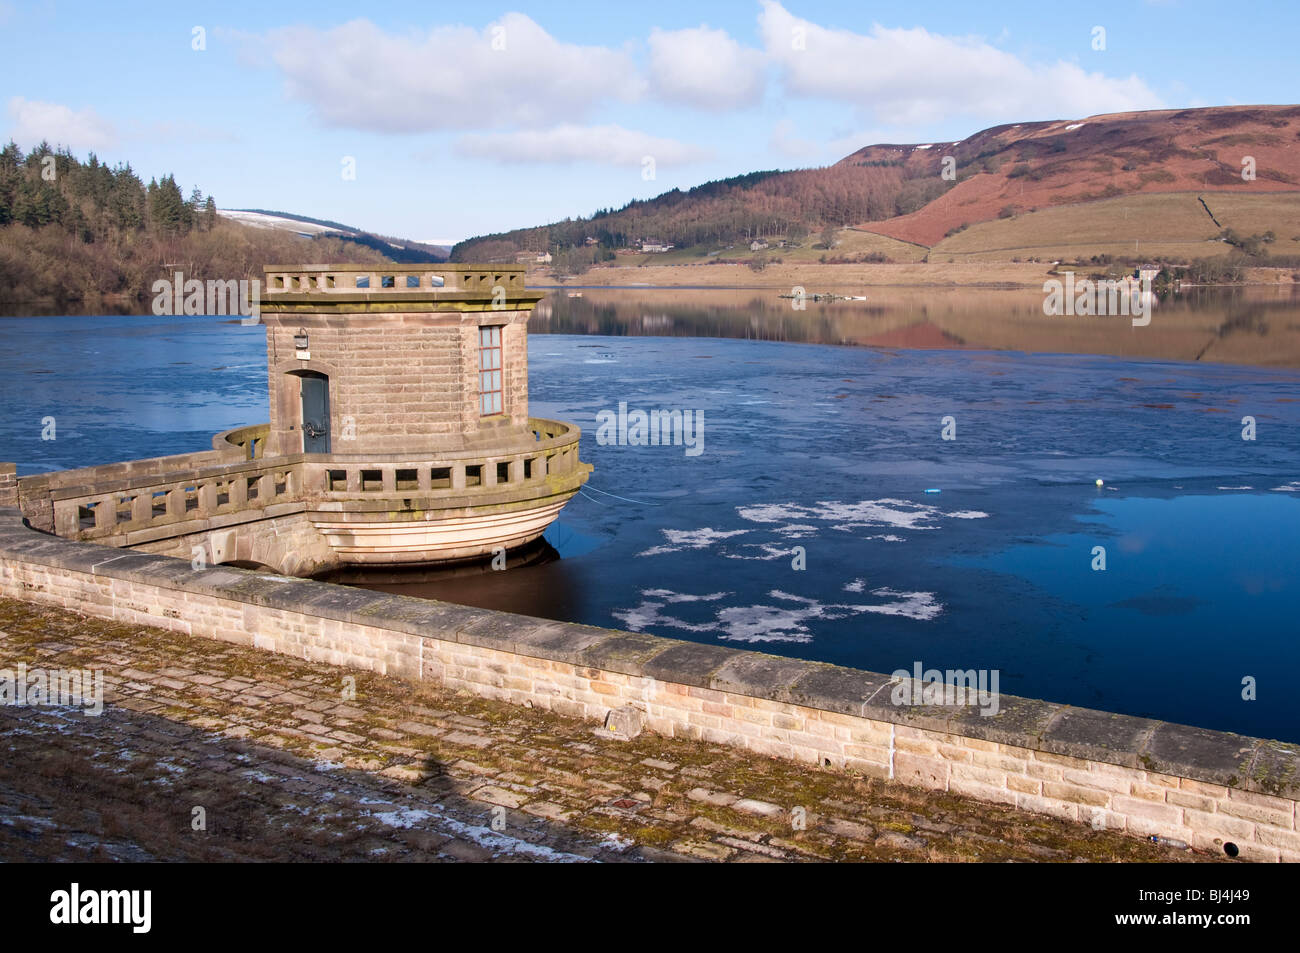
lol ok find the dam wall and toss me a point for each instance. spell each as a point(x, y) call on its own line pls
point(1217, 791)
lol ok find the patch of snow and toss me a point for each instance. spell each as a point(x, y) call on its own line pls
point(615, 841)
point(261, 776)
point(262, 220)
point(492, 840)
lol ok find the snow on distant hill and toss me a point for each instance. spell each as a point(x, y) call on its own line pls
point(402, 250)
point(263, 220)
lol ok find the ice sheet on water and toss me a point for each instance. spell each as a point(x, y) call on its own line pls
point(786, 619)
point(895, 513)
point(680, 539)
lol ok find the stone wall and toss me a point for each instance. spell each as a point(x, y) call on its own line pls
point(1214, 790)
point(397, 380)
point(286, 544)
point(8, 484)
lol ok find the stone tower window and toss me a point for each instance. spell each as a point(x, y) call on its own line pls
point(489, 367)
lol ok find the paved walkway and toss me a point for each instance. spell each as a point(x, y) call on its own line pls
point(284, 762)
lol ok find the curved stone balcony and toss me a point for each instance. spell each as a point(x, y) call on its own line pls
point(376, 509)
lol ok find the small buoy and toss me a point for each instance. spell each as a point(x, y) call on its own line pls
point(1099, 482)
point(932, 491)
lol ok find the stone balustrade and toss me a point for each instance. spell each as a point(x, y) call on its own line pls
point(140, 508)
point(393, 280)
point(252, 440)
point(149, 500)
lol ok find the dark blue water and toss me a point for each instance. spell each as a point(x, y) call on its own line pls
point(120, 388)
point(824, 455)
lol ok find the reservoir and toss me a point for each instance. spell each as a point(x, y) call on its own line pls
point(826, 516)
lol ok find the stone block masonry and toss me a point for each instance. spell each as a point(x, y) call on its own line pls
point(1214, 790)
point(8, 484)
point(397, 380)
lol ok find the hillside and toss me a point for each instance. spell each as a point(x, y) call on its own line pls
point(88, 236)
point(1170, 159)
point(1013, 169)
point(401, 250)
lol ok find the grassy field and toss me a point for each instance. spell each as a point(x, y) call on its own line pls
point(1162, 226)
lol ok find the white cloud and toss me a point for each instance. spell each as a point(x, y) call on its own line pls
point(453, 77)
point(33, 121)
point(911, 77)
point(705, 68)
point(603, 145)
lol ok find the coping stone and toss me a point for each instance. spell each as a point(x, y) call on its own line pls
point(625, 652)
point(1098, 736)
point(334, 602)
point(761, 675)
point(1275, 770)
point(930, 717)
point(508, 632)
point(426, 618)
point(557, 641)
point(1019, 721)
point(1218, 757)
point(837, 689)
point(689, 663)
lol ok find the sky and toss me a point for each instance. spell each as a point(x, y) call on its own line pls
point(440, 121)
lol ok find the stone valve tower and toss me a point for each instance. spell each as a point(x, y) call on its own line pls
point(399, 436)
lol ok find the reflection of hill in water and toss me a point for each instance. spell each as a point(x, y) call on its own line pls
point(1220, 325)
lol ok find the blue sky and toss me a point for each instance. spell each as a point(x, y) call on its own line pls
point(469, 118)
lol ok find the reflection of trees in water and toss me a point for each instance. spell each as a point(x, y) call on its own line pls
point(1244, 325)
point(758, 319)
point(1247, 319)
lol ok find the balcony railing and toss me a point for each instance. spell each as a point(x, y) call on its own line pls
point(252, 440)
point(140, 504)
point(392, 280)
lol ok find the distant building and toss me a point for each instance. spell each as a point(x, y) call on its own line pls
point(655, 247)
point(757, 245)
point(1147, 272)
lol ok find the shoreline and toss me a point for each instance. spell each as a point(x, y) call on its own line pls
point(814, 277)
point(1003, 276)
